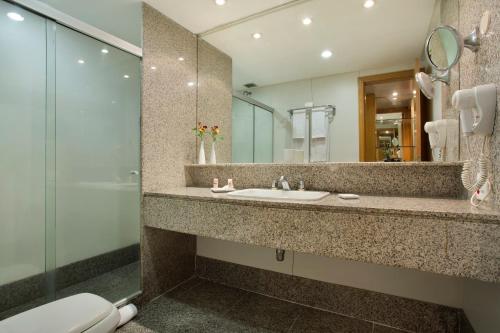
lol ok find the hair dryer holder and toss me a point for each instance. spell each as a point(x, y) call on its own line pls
point(477, 109)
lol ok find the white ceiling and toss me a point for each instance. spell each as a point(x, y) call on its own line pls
point(392, 33)
point(383, 93)
point(201, 15)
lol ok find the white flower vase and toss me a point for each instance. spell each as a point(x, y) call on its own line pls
point(201, 155)
point(213, 158)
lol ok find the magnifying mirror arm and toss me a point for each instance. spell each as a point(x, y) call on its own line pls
point(473, 41)
point(441, 76)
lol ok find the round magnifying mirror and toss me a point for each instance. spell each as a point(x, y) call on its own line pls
point(443, 47)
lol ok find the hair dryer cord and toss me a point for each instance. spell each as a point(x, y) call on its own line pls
point(467, 178)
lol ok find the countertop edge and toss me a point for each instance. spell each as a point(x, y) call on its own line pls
point(462, 217)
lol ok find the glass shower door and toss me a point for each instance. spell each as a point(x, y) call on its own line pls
point(69, 165)
point(97, 167)
point(263, 140)
point(242, 132)
point(22, 159)
point(252, 135)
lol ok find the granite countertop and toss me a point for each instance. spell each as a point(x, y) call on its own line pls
point(401, 206)
point(385, 164)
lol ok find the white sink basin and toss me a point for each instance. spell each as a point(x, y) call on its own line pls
point(255, 193)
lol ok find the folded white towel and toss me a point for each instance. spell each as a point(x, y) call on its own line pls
point(299, 124)
point(319, 124)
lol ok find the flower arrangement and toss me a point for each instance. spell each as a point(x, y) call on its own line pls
point(215, 133)
point(200, 130)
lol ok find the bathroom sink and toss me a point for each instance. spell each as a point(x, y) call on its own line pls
point(255, 193)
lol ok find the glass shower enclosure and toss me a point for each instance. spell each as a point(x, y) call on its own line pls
point(69, 165)
point(252, 131)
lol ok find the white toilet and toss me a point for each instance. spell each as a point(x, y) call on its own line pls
point(76, 314)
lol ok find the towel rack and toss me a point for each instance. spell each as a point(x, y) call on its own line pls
point(328, 109)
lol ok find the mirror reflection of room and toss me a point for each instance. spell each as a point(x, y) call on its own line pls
point(296, 72)
point(391, 108)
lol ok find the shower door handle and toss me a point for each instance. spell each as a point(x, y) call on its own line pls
point(134, 172)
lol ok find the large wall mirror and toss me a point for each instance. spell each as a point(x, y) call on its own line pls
point(330, 81)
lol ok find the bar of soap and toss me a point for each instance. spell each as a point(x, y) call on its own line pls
point(347, 196)
point(222, 190)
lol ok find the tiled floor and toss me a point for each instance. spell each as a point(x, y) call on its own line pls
point(203, 306)
point(112, 286)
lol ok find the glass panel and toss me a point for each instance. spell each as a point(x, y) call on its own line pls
point(97, 167)
point(22, 166)
point(263, 136)
point(242, 134)
point(98, 13)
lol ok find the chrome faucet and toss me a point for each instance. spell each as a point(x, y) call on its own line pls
point(284, 184)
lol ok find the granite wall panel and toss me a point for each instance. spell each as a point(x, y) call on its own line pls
point(482, 67)
point(168, 115)
point(391, 179)
point(215, 93)
point(168, 101)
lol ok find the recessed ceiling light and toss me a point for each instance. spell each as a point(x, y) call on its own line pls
point(326, 54)
point(257, 35)
point(414, 92)
point(105, 51)
point(15, 16)
point(306, 21)
point(180, 59)
point(369, 3)
point(190, 84)
point(395, 94)
point(81, 61)
point(153, 67)
point(220, 2)
point(126, 76)
point(394, 98)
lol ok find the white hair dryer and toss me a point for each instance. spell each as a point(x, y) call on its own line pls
point(477, 115)
point(477, 109)
point(443, 139)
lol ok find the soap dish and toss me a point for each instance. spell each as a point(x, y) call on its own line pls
point(347, 196)
point(222, 190)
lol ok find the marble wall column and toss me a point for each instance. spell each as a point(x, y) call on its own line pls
point(185, 80)
point(168, 115)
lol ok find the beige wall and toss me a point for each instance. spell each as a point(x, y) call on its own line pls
point(413, 284)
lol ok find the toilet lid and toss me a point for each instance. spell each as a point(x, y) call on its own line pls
point(73, 314)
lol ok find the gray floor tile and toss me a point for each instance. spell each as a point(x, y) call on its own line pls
point(180, 312)
point(316, 321)
point(264, 313)
point(406, 314)
point(193, 282)
point(208, 297)
point(385, 329)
